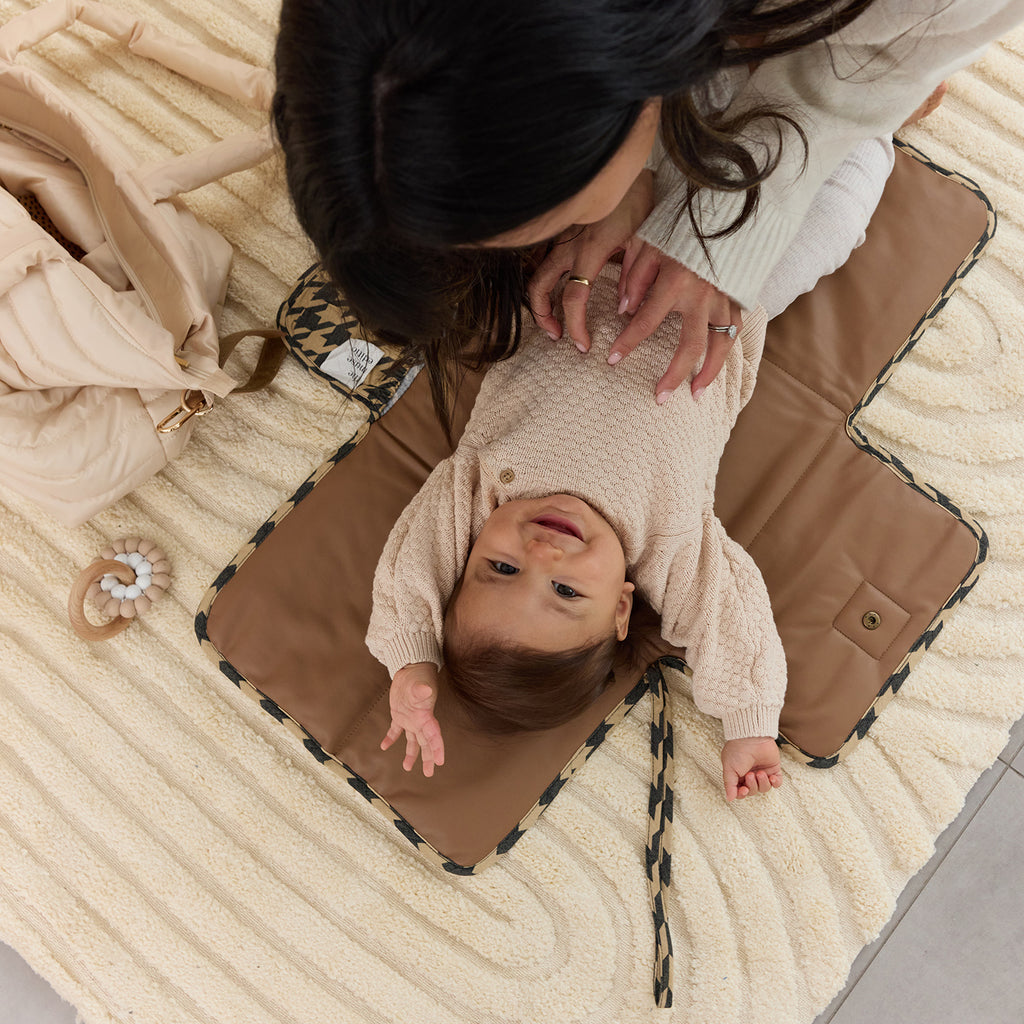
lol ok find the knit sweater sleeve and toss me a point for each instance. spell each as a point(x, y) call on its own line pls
point(422, 560)
point(717, 607)
point(860, 83)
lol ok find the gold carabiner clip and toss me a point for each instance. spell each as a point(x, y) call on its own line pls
point(193, 403)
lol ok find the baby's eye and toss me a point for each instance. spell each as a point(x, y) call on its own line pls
point(504, 568)
point(564, 590)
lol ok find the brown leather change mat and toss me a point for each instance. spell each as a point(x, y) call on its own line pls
point(862, 562)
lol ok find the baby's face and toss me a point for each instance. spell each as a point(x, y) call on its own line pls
point(548, 573)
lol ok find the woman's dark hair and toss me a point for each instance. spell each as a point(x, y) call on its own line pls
point(506, 689)
point(414, 130)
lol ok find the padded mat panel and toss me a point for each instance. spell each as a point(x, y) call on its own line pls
point(821, 516)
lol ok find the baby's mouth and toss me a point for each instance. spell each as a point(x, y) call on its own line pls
point(559, 525)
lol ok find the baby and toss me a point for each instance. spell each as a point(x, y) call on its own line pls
point(572, 492)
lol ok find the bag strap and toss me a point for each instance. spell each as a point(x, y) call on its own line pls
point(194, 402)
point(250, 85)
point(271, 357)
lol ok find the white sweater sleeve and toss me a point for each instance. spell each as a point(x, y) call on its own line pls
point(422, 561)
point(860, 83)
point(717, 607)
point(834, 226)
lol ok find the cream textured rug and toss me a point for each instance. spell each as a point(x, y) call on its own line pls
point(169, 855)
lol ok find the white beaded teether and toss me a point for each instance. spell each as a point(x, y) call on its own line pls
point(124, 582)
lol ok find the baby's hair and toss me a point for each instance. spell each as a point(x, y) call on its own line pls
point(509, 689)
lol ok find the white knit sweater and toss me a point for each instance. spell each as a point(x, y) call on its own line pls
point(860, 83)
point(563, 422)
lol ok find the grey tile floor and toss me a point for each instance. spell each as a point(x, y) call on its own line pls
point(953, 951)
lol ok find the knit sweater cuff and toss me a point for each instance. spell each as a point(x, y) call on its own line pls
point(409, 650)
point(756, 720)
point(739, 263)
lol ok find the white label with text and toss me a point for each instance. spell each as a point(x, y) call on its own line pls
point(351, 362)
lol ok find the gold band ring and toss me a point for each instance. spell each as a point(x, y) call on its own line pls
point(580, 280)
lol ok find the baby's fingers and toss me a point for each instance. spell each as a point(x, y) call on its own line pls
point(758, 782)
point(734, 790)
point(412, 751)
point(390, 736)
point(432, 742)
point(431, 750)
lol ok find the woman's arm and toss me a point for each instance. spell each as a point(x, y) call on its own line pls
point(862, 82)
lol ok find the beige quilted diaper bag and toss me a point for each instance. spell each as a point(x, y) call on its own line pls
point(109, 286)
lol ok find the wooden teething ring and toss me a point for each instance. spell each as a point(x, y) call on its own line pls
point(147, 587)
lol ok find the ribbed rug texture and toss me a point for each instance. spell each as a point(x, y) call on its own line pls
point(170, 855)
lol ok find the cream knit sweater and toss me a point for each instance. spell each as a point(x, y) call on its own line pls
point(860, 83)
point(551, 420)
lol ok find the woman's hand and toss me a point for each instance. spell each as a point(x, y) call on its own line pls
point(651, 286)
point(412, 697)
point(583, 251)
point(654, 285)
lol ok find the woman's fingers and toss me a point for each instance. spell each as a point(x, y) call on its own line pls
point(659, 303)
point(555, 265)
point(636, 279)
point(582, 250)
point(651, 285)
point(687, 354)
point(588, 264)
point(717, 347)
point(671, 287)
point(634, 247)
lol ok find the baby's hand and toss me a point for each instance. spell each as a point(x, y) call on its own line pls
point(413, 695)
point(750, 765)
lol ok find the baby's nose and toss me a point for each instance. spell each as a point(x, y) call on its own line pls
point(544, 550)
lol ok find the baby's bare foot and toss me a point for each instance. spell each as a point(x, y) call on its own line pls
point(929, 106)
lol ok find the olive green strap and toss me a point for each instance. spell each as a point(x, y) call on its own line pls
point(270, 359)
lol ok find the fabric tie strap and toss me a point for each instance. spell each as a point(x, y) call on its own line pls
point(659, 834)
